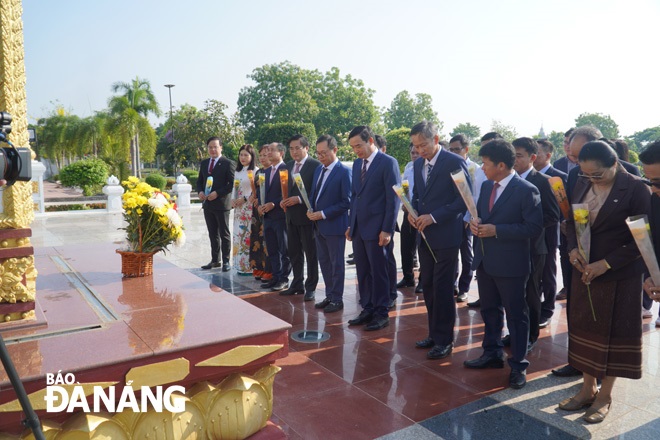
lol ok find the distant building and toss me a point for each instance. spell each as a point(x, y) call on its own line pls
point(542, 134)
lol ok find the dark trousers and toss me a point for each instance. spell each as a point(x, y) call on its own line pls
point(466, 263)
point(409, 240)
point(331, 259)
point(566, 266)
point(302, 246)
point(391, 268)
point(533, 296)
point(437, 280)
point(371, 265)
point(498, 294)
point(217, 223)
point(276, 243)
point(549, 278)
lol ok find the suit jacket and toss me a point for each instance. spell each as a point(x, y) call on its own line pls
point(610, 236)
point(374, 205)
point(439, 197)
point(274, 194)
point(654, 222)
point(334, 200)
point(297, 214)
point(573, 177)
point(550, 209)
point(554, 172)
point(561, 164)
point(223, 183)
point(518, 218)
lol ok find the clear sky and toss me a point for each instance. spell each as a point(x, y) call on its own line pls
point(523, 62)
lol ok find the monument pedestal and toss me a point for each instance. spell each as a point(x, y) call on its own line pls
point(163, 330)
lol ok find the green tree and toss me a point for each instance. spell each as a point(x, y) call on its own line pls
point(604, 123)
point(470, 131)
point(398, 145)
point(282, 132)
point(132, 107)
point(643, 137)
point(508, 132)
point(557, 139)
point(404, 111)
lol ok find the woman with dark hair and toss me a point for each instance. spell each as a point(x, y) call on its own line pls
point(605, 331)
point(243, 210)
point(258, 254)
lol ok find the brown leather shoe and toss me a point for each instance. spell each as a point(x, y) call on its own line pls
point(572, 404)
point(597, 416)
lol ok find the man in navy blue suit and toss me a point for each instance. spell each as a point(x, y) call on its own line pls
point(275, 221)
point(510, 215)
point(373, 211)
point(549, 277)
point(330, 198)
point(441, 210)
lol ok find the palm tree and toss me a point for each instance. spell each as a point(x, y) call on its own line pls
point(129, 111)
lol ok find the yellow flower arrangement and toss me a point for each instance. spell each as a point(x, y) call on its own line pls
point(152, 221)
point(581, 216)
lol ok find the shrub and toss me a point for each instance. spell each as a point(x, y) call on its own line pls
point(156, 180)
point(191, 175)
point(89, 175)
point(170, 181)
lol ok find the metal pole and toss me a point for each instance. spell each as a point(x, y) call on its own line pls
point(31, 420)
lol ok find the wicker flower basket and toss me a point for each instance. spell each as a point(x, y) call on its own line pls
point(136, 264)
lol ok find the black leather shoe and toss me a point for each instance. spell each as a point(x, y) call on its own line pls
point(378, 323)
point(476, 303)
point(419, 289)
point(506, 341)
point(405, 283)
point(211, 265)
point(425, 343)
point(363, 318)
point(309, 296)
point(517, 379)
point(268, 284)
point(225, 267)
point(351, 261)
point(322, 304)
point(333, 307)
point(544, 323)
point(392, 303)
point(485, 362)
point(279, 286)
point(567, 371)
point(288, 292)
point(439, 351)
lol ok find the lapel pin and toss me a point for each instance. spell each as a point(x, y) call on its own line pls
point(616, 200)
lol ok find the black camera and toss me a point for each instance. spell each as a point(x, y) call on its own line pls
point(15, 163)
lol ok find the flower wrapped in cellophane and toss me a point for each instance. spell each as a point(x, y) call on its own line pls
point(237, 185)
point(559, 191)
point(153, 222)
point(262, 188)
point(401, 193)
point(303, 192)
point(284, 184)
point(641, 232)
point(583, 233)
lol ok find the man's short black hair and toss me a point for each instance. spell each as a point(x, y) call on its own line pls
point(364, 131)
point(545, 145)
point(569, 133)
point(332, 142)
point(299, 137)
point(499, 151)
point(528, 144)
point(460, 138)
point(651, 154)
point(491, 135)
point(381, 142)
point(213, 138)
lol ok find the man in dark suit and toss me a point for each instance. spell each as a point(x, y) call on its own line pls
point(373, 211)
point(650, 159)
point(526, 151)
point(330, 199)
point(299, 228)
point(549, 277)
point(510, 215)
point(216, 201)
point(441, 210)
point(275, 221)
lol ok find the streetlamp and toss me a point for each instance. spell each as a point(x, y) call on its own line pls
point(169, 88)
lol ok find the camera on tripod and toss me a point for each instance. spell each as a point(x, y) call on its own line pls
point(15, 163)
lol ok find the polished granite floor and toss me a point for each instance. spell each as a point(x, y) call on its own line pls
point(364, 385)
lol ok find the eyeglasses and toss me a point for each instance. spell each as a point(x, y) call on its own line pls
point(321, 153)
point(455, 150)
point(653, 184)
point(592, 177)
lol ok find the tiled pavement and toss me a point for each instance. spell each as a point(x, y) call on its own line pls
point(363, 385)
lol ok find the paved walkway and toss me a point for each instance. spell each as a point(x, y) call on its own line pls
point(364, 385)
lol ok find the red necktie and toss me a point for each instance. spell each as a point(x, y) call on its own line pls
point(493, 194)
point(211, 165)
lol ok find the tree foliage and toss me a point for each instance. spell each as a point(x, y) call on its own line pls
point(643, 137)
point(470, 131)
point(282, 132)
point(508, 132)
point(398, 145)
point(557, 139)
point(406, 111)
point(604, 123)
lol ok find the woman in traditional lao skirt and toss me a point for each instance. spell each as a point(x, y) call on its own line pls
point(605, 331)
point(243, 210)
